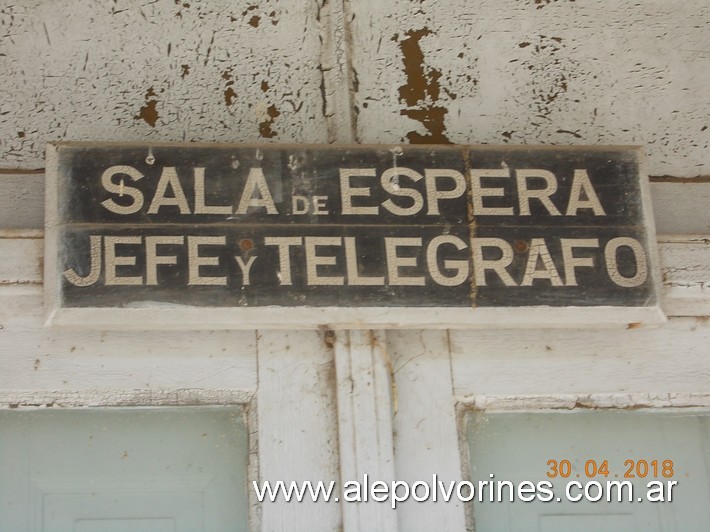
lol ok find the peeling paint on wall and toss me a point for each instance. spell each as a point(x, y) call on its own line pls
point(229, 94)
point(149, 112)
point(539, 72)
point(91, 82)
point(534, 71)
point(265, 126)
point(421, 91)
point(255, 19)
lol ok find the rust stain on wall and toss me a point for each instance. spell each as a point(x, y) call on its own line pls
point(422, 90)
point(149, 112)
point(265, 127)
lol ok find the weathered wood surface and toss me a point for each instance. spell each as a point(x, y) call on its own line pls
point(365, 401)
point(685, 263)
point(297, 425)
point(425, 425)
point(672, 359)
point(35, 358)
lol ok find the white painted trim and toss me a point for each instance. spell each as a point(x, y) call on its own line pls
point(297, 422)
point(673, 359)
point(22, 255)
point(51, 233)
point(22, 233)
point(118, 364)
point(685, 263)
point(425, 427)
point(11, 399)
point(649, 224)
point(364, 391)
point(252, 424)
point(681, 208)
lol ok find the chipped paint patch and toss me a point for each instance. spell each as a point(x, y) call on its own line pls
point(422, 90)
point(229, 96)
point(149, 112)
point(542, 3)
point(265, 126)
point(527, 403)
point(90, 84)
point(229, 93)
point(255, 19)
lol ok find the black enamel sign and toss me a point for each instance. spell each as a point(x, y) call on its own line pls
point(157, 230)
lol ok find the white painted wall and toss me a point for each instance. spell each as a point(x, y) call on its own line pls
point(538, 71)
point(220, 70)
point(495, 71)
